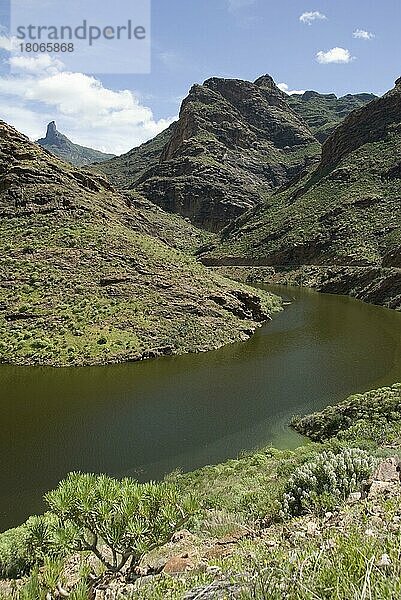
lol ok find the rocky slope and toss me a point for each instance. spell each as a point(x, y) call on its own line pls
point(86, 278)
point(235, 142)
point(346, 213)
point(124, 170)
point(59, 145)
point(323, 112)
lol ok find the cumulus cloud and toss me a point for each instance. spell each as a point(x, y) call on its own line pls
point(285, 88)
point(40, 90)
point(35, 64)
point(309, 17)
point(361, 34)
point(335, 55)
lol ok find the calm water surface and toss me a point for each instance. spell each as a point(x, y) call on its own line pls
point(146, 419)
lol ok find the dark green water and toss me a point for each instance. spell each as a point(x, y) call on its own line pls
point(146, 419)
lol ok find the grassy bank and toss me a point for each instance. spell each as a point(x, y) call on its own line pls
point(317, 522)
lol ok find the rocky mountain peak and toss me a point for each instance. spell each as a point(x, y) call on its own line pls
point(54, 137)
point(51, 130)
point(323, 112)
point(267, 82)
point(367, 124)
point(310, 94)
point(59, 145)
point(235, 141)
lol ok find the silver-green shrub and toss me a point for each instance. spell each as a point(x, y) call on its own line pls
point(326, 480)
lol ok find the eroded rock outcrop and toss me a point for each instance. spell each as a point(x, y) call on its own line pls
point(59, 145)
point(345, 213)
point(235, 142)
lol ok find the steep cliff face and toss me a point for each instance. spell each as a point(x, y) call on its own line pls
point(347, 212)
point(59, 145)
point(235, 142)
point(324, 112)
point(366, 125)
point(85, 277)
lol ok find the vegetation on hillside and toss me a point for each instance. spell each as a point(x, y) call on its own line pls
point(323, 112)
point(92, 277)
point(346, 212)
point(124, 170)
point(302, 525)
point(376, 409)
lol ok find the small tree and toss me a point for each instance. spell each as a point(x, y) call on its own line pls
point(119, 521)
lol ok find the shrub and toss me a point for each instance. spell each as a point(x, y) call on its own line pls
point(118, 521)
point(29, 545)
point(384, 403)
point(45, 539)
point(325, 480)
point(15, 559)
point(48, 582)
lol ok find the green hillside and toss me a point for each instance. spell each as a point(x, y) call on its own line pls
point(323, 112)
point(345, 212)
point(87, 279)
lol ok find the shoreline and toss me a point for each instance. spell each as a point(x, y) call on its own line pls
point(373, 285)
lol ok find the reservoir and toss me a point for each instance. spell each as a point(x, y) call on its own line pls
point(147, 419)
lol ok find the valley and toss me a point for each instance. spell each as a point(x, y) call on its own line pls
point(166, 314)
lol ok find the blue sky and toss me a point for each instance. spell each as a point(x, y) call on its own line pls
point(196, 39)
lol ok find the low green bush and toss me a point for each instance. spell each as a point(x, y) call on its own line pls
point(379, 405)
point(15, 559)
point(28, 545)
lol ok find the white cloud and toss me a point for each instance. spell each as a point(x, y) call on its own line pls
point(36, 64)
point(7, 43)
point(361, 34)
point(86, 111)
point(309, 17)
point(335, 55)
point(285, 88)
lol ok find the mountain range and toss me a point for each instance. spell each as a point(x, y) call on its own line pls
point(345, 211)
point(234, 144)
point(99, 263)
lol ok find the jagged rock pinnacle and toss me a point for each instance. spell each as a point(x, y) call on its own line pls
point(61, 146)
point(51, 129)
